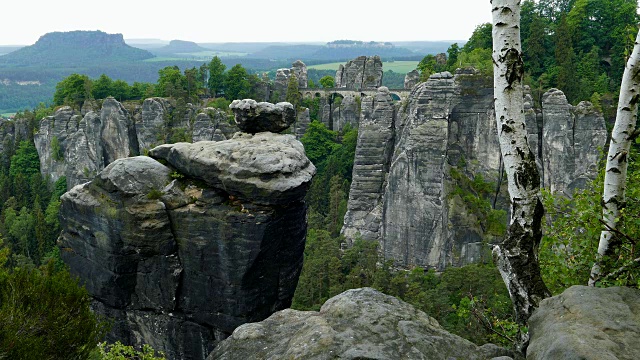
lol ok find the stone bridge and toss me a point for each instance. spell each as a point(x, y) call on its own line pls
point(396, 94)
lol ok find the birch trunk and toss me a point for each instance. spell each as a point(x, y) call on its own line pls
point(517, 255)
point(615, 178)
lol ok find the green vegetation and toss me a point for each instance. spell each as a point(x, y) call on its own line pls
point(569, 247)
point(45, 313)
point(577, 46)
point(471, 301)
point(468, 301)
point(118, 351)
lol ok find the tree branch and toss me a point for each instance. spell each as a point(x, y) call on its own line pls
point(618, 232)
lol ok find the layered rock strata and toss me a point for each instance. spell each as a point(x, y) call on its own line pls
point(411, 79)
point(357, 324)
point(445, 133)
point(371, 164)
point(179, 255)
point(572, 140)
point(361, 73)
point(79, 146)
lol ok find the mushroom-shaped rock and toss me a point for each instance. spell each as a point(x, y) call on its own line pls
point(265, 168)
point(254, 117)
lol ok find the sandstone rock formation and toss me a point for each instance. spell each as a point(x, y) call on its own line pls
point(360, 73)
point(302, 123)
point(443, 134)
point(411, 79)
point(179, 255)
point(281, 82)
point(78, 147)
point(371, 164)
point(349, 112)
point(587, 323)
point(299, 69)
point(357, 324)
point(253, 117)
point(570, 141)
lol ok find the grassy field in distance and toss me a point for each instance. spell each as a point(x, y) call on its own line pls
point(201, 55)
point(400, 67)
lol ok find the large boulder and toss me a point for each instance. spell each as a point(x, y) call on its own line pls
point(179, 255)
point(264, 168)
point(357, 324)
point(587, 323)
point(254, 117)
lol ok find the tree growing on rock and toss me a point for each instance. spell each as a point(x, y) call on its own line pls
point(516, 256)
point(623, 134)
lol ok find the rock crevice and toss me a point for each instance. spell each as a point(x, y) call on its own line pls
point(179, 255)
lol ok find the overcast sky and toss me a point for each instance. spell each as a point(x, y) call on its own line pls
point(24, 21)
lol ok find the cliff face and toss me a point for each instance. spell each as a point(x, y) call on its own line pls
point(371, 164)
point(361, 73)
point(412, 202)
point(570, 140)
point(179, 255)
point(79, 146)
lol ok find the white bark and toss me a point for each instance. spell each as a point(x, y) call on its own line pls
point(516, 257)
point(615, 178)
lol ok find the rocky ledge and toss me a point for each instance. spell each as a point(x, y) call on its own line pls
point(357, 324)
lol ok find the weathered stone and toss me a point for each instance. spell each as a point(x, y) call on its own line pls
point(254, 117)
point(360, 73)
point(302, 123)
point(179, 264)
point(371, 164)
point(348, 112)
point(587, 323)
point(118, 132)
point(155, 113)
point(79, 147)
point(54, 130)
point(570, 141)
point(212, 125)
point(357, 324)
point(414, 197)
point(265, 168)
point(281, 83)
point(299, 69)
point(444, 134)
point(411, 79)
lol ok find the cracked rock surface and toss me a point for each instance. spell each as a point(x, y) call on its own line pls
point(178, 256)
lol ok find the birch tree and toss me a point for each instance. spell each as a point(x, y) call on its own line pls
point(517, 255)
point(623, 133)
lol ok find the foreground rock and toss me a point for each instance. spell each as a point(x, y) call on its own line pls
point(357, 324)
point(179, 255)
point(254, 117)
point(587, 323)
